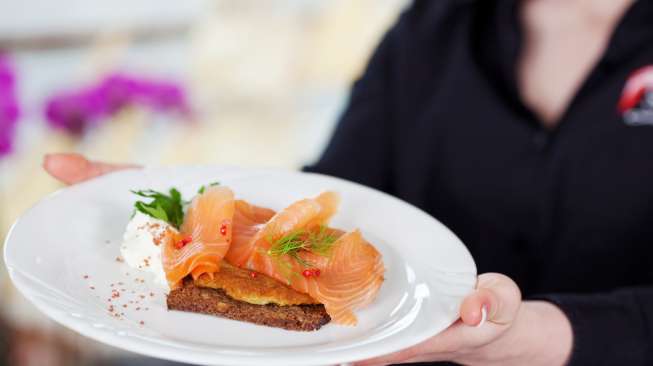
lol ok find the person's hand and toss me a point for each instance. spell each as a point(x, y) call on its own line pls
point(75, 168)
point(496, 328)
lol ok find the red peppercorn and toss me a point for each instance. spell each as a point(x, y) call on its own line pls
point(223, 229)
point(316, 272)
point(182, 243)
point(253, 274)
point(307, 273)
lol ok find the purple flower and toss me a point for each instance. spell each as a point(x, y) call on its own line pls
point(75, 111)
point(9, 109)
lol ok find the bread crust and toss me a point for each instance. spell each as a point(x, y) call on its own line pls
point(304, 317)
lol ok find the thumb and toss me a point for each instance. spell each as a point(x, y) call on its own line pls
point(75, 168)
point(497, 295)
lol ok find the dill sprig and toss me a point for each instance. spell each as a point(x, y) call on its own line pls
point(203, 187)
point(321, 241)
point(316, 241)
point(289, 243)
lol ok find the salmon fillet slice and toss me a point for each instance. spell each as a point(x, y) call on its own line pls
point(203, 239)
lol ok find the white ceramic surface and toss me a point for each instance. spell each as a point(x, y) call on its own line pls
point(76, 232)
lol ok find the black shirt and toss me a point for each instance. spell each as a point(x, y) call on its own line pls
point(568, 213)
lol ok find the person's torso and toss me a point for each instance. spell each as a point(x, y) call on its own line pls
point(570, 209)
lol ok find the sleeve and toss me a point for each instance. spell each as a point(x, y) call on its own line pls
point(361, 149)
point(614, 328)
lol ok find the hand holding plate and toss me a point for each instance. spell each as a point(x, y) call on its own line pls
point(71, 168)
point(496, 328)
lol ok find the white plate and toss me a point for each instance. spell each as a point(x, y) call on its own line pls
point(76, 232)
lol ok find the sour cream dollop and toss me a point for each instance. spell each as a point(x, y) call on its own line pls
point(142, 244)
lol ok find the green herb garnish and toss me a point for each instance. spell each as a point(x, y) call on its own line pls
point(316, 241)
point(290, 245)
point(166, 207)
point(203, 188)
point(321, 241)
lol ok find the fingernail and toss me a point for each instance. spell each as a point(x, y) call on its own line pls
point(483, 316)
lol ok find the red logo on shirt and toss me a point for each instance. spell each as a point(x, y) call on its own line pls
point(636, 103)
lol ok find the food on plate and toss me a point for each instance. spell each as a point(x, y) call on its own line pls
point(227, 257)
point(203, 238)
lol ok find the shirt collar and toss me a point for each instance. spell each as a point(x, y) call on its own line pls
point(633, 34)
point(497, 37)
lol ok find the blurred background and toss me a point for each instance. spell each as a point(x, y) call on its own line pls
point(245, 82)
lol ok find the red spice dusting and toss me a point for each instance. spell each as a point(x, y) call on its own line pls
point(252, 274)
point(158, 238)
point(316, 272)
point(223, 229)
point(124, 305)
point(142, 322)
point(119, 259)
point(115, 294)
point(111, 308)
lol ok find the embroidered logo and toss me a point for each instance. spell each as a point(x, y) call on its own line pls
point(636, 103)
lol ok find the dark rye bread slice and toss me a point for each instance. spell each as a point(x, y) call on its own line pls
point(210, 301)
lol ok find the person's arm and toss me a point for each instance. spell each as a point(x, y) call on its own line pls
point(614, 328)
point(512, 332)
point(360, 149)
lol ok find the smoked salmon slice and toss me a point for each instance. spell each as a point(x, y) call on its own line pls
point(348, 281)
point(204, 237)
point(303, 214)
point(344, 278)
point(248, 221)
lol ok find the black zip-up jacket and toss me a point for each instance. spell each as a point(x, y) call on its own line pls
point(568, 213)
